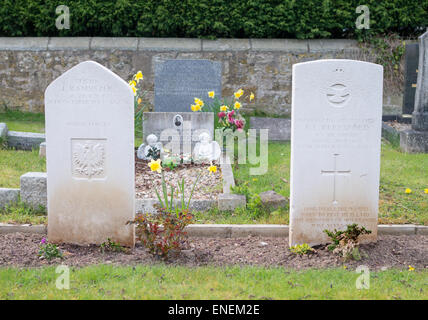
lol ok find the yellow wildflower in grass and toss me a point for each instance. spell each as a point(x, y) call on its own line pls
point(139, 100)
point(139, 76)
point(251, 96)
point(345, 267)
point(239, 93)
point(224, 108)
point(211, 94)
point(132, 83)
point(411, 268)
point(237, 105)
point(155, 165)
point(195, 107)
point(212, 169)
point(426, 191)
point(408, 190)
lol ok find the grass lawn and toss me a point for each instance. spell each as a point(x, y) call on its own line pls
point(23, 121)
point(228, 283)
point(398, 172)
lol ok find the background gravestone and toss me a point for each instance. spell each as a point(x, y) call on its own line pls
point(410, 77)
point(416, 139)
point(335, 148)
point(90, 160)
point(279, 128)
point(178, 82)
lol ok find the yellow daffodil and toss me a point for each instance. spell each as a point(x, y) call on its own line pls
point(224, 108)
point(251, 96)
point(426, 191)
point(211, 94)
point(155, 165)
point(139, 100)
point(237, 105)
point(195, 107)
point(239, 93)
point(212, 169)
point(199, 102)
point(139, 76)
point(408, 190)
point(132, 83)
point(134, 90)
point(411, 268)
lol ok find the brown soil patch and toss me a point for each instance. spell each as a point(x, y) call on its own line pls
point(17, 249)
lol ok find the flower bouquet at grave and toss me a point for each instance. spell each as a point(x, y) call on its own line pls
point(139, 96)
point(227, 110)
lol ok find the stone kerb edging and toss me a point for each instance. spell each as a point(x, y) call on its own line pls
point(175, 44)
point(236, 230)
point(20, 140)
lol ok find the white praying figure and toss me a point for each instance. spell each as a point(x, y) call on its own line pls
point(206, 149)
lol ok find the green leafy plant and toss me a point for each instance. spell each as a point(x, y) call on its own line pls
point(169, 163)
point(111, 246)
point(162, 232)
point(48, 250)
point(301, 249)
point(154, 153)
point(346, 243)
point(168, 204)
point(212, 19)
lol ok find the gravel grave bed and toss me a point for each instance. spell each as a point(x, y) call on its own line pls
point(399, 126)
point(20, 250)
point(208, 186)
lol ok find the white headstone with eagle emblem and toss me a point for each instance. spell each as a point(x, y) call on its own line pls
point(90, 159)
point(335, 148)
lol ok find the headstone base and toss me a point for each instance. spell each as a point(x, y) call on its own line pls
point(412, 141)
point(420, 121)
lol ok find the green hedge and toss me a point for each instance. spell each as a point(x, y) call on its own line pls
point(213, 18)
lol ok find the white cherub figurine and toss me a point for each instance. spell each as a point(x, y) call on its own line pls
point(151, 150)
point(205, 149)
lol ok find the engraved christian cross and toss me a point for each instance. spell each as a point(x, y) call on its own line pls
point(335, 172)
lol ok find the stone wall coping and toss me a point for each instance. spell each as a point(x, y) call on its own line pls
point(174, 44)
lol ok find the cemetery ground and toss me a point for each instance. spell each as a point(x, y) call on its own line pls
point(399, 171)
point(224, 268)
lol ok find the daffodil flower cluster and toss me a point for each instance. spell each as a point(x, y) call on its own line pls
point(134, 81)
point(228, 116)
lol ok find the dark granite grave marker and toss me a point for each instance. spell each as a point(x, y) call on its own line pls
point(178, 82)
point(410, 77)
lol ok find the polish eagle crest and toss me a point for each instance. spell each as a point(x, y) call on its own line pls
point(89, 158)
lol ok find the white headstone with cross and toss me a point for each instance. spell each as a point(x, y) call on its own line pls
point(90, 160)
point(335, 148)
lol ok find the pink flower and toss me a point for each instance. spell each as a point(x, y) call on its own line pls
point(221, 114)
point(239, 124)
point(43, 241)
point(230, 116)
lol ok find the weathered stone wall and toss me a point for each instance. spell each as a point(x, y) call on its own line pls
point(263, 66)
